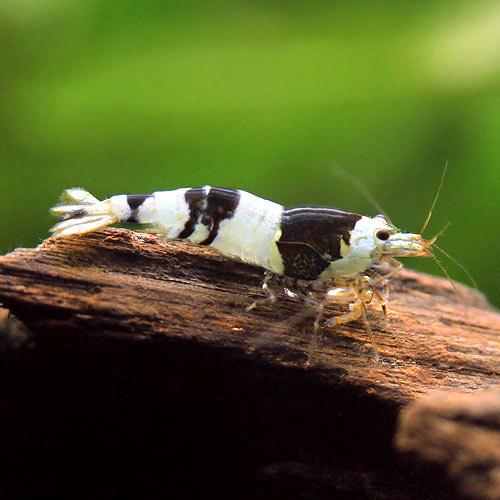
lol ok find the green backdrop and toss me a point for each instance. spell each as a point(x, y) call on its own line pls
point(125, 96)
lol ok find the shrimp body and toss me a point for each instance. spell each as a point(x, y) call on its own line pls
point(306, 242)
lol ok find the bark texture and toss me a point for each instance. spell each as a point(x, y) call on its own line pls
point(141, 351)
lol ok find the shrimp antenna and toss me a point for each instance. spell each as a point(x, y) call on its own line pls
point(460, 293)
point(362, 189)
point(429, 215)
point(440, 233)
point(460, 265)
point(445, 272)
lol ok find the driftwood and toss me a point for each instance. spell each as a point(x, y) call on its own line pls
point(461, 433)
point(145, 370)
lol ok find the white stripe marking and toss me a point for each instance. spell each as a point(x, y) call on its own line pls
point(169, 211)
point(250, 235)
point(119, 207)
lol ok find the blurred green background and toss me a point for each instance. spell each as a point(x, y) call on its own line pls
point(127, 96)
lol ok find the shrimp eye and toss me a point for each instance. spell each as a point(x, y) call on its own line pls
point(383, 234)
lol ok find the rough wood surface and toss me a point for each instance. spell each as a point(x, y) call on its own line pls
point(461, 433)
point(118, 308)
point(120, 283)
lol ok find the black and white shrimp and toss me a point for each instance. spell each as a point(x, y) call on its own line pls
point(331, 249)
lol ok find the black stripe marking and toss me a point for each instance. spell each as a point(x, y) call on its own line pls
point(134, 202)
point(301, 261)
point(195, 199)
point(209, 210)
point(221, 204)
point(310, 239)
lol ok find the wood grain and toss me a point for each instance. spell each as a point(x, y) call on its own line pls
point(120, 283)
